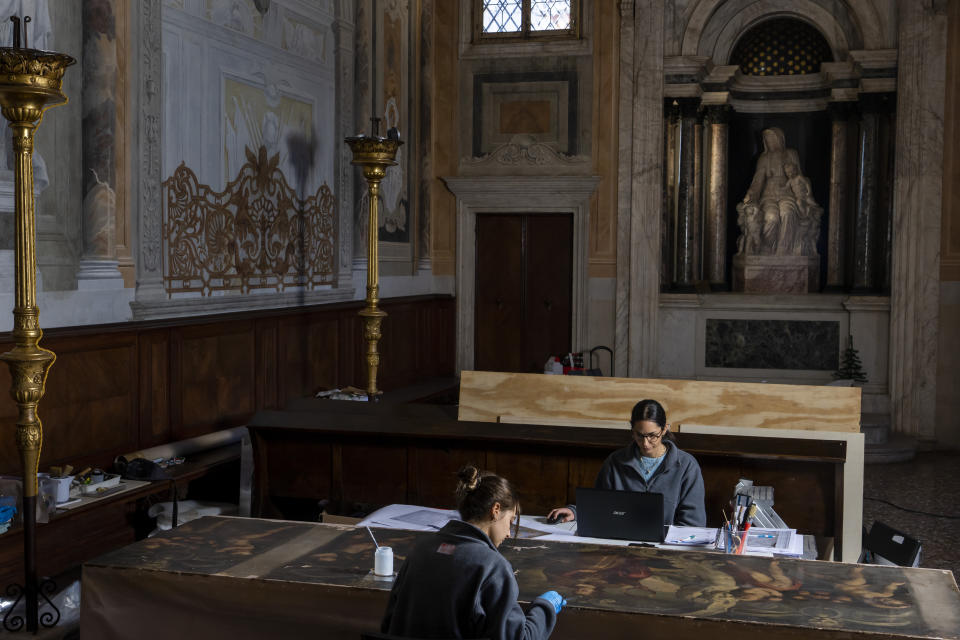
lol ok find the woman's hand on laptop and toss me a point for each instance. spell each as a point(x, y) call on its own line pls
point(561, 514)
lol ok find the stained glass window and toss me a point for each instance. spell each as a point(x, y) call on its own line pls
point(549, 15)
point(502, 16)
point(526, 18)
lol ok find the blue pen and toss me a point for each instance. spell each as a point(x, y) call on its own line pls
point(765, 535)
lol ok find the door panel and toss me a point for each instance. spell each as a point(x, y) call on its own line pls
point(549, 265)
point(498, 316)
point(523, 290)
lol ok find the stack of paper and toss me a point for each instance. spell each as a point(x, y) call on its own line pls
point(408, 516)
point(690, 536)
point(777, 542)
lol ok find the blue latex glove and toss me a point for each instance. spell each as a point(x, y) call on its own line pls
point(555, 599)
point(7, 513)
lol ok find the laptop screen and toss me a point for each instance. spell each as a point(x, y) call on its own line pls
point(622, 515)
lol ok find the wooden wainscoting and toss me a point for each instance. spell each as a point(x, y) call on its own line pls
point(120, 388)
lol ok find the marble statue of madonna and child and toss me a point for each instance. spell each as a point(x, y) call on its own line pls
point(779, 224)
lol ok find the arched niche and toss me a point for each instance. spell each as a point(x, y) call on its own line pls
point(714, 26)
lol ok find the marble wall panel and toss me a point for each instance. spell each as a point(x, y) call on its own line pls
point(444, 149)
point(603, 222)
point(249, 80)
point(948, 381)
point(918, 188)
point(772, 344)
point(950, 225)
point(639, 181)
point(59, 143)
point(601, 298)
point(536, 103)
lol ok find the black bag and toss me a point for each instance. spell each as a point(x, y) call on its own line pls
point(139, 469)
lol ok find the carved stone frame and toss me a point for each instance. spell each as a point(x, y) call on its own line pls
point(518, 195)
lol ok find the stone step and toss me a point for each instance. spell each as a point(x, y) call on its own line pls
point(897, 448)
point(875, 427)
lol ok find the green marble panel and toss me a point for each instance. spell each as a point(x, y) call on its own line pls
point(772, 344)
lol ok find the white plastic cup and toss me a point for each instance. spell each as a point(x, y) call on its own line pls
point(383, 561)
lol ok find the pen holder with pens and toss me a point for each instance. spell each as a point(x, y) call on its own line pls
point(728, 540)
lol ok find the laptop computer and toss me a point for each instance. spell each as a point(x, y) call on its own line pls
point(623, 515)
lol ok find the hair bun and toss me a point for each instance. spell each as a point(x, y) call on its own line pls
point(469, 477)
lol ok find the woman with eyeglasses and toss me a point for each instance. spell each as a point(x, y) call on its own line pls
point(456, 584)
point(654, 463)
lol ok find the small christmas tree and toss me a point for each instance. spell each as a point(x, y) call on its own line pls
point(850, 367)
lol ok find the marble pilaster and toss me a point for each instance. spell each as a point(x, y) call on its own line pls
point(715, 211)
point(343, 33)
point(838, 204)
point(918, 185)
point(148, 72)
point(688, 218)
point(98, 265)
point(640, 174)
point(424, 132)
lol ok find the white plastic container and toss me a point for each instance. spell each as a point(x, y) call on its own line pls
point(383, 561)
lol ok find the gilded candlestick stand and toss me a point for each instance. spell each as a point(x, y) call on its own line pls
point(30, 82)
point(374, 154)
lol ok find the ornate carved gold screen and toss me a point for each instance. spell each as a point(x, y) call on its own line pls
point(257, 233)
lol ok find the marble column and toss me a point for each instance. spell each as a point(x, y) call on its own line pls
point(687, 266)
point(918, 185)
point(640, 159)
point(838, 207)
point(98, 264)
point(865, 271)
point(715, 211)
point(671, 122)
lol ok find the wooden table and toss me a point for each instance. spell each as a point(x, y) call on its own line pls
point(221, 577)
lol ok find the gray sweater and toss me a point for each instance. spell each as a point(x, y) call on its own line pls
point(678, 478)
point(455, 584)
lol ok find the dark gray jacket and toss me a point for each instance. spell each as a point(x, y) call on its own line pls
point(455, 584)
point(678, 478)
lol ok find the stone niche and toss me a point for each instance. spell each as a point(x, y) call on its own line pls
point(776, 274)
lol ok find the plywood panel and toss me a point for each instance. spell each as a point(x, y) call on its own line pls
point(485, 395)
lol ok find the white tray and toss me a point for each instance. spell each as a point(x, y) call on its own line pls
point(109, 480)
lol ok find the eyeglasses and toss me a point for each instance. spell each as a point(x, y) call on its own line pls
point(649, 437)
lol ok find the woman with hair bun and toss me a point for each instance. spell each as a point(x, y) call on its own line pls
point(652, 462)
point(455, 584)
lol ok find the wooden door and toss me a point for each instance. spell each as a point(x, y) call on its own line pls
point(524, 290)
